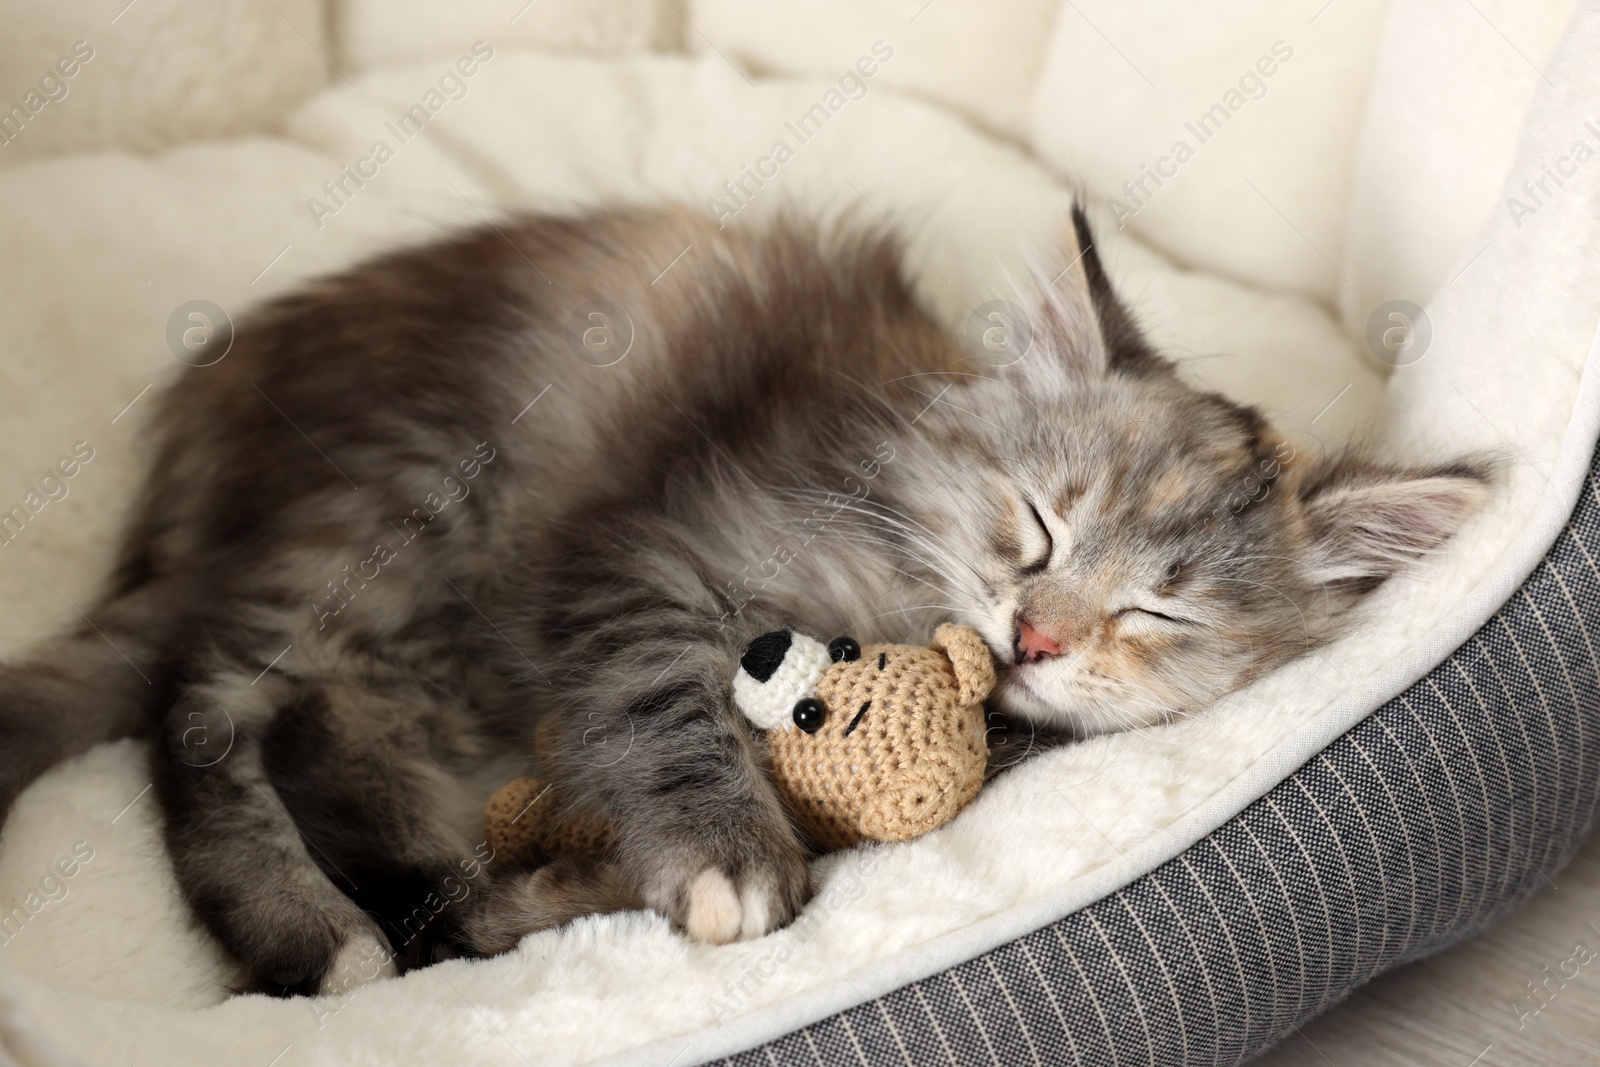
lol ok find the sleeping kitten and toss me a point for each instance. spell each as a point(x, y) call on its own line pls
point(453, 498)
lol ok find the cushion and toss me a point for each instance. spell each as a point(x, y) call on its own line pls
point(374, 32)
point(231, 222)
point(154, 73)
point(1222, 133)
point(1422, 187)
point(931, 44)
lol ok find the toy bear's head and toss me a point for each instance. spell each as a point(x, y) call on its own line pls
point(880, 743)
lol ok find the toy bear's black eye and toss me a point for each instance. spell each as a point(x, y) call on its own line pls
point(844, 650)
point(809, 713)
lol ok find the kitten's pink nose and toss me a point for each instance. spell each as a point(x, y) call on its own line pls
point(1033, 645)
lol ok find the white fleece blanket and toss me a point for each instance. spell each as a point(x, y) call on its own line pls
point(108, 966)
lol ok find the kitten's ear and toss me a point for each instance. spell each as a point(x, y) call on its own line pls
point(1123, 345)
point(1365, 522)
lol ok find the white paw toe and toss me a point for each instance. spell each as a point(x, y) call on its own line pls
point(714, 914)
point(758, 916)
point(364, 957)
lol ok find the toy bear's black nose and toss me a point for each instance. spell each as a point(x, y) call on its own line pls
point(764, 655)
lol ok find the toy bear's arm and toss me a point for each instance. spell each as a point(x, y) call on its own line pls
point(523, 823)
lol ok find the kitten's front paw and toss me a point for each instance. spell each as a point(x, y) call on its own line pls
point(716, 906)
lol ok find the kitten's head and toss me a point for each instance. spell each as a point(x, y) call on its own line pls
point(1132, 548)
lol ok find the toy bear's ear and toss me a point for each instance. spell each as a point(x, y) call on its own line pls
point(969, 655)
point(776, 671)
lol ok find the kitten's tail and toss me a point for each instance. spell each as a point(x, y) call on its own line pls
point(94, 684)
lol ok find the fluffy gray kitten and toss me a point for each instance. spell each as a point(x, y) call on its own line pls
point(430, 507)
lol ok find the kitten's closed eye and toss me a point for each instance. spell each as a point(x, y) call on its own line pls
point(1150, 614)
point(1176, 574)
point(1037, 545)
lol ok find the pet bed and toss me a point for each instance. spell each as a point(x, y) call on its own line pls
point(1184, 894)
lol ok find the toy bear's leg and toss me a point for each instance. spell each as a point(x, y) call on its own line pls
point(527, 901)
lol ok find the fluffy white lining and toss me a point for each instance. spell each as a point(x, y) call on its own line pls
point(115, 943)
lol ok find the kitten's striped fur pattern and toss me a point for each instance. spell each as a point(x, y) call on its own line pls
point(775, 449)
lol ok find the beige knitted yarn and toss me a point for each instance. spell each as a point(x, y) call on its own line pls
point(901, 751)
point(522, 820)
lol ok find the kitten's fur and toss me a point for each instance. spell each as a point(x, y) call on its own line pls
point(790, 440)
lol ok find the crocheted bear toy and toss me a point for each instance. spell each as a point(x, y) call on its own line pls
point(874, 743)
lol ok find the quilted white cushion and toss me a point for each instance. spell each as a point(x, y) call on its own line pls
point(371, 32)
point(979, 59)
point(1451, 86)
point(230, 222)
point(162, 71)
point(1248, 112)
point(93, 275)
